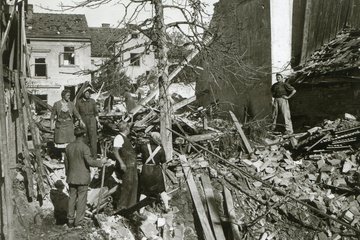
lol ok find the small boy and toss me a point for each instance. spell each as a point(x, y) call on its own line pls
point(60, 201)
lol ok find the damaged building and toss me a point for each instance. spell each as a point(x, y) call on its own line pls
point(325, 50)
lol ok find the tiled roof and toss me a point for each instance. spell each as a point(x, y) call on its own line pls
point(103, 38)
point(50, 25)
point(340, 54)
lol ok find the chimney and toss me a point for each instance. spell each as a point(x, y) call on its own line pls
point(105, 25)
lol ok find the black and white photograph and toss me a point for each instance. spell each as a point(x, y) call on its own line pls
point(180, 119)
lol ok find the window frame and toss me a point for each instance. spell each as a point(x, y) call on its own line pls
point(62, 57)
point(41, 64)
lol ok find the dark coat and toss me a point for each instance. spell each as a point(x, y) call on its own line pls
point(78, 162)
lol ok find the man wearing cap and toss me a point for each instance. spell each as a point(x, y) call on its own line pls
point(87, 108)
point(77, 168)
point(282, 92)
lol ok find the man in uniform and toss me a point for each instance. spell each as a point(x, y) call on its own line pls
point(77, 168)
point(87, 108)
point(282, 92)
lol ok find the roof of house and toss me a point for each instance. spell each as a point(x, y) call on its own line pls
point(103, 38)
point(340, 54)
point(50, 25)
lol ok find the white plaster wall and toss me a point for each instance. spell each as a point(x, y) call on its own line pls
point(281, 28)
point(58, 76)
point(147, 60)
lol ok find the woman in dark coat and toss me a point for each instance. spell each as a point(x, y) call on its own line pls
point(64, 111)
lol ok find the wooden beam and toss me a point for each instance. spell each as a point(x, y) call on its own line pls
point(305, 40)
point(32, 125)
point(183, 103)
point(40, 102)
point(241, 132)
point(208, 235)
point(23, 136)
point(204, 137)
point(7, 201)
point(231, 214)
point(213, 212)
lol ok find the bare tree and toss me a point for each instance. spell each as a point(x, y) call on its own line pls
point(191, 23)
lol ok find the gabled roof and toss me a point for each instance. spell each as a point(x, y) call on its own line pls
point(340, 54)
point(103, 39)
point(50, 25)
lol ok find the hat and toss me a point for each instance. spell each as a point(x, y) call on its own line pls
point(59, 184)
point(79, 131)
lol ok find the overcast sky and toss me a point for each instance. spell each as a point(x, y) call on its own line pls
point(109, 13)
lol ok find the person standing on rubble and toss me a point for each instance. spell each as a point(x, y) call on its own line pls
point(282, 92)
point(87, 108)
point(125, 156)
point(152, 182)
point(64, 112)
point(77, 169)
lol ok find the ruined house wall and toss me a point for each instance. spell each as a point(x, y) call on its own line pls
point(238, 63)
point(58, 75)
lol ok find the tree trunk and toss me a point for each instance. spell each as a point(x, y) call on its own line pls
point(164, 83)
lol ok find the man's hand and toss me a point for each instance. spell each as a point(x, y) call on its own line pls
point(285, 97)
point(99, 125)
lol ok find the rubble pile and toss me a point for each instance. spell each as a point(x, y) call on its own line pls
point(299, 186)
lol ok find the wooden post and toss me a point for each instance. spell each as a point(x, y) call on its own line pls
point(8, 205)
point(164, 81)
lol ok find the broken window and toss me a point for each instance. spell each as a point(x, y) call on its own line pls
point(67, 58)
point(134, 59)
point(40, 67)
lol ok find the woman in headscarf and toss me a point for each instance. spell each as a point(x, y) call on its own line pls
point(64, 112)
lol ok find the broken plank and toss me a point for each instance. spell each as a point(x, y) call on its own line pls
point(197, 200)
point(171, 176)
point(204, 137)
point(214, 214)
point(231, 213)
point(241, 132)
point(183, 103)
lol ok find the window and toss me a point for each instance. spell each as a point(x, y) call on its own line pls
point(67, 58)
point(134, 35)
point(134, 59)
point(40, 67)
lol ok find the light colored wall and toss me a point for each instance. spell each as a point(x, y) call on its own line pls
point(147, 61)
point(281, 28)
point(58, 76)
